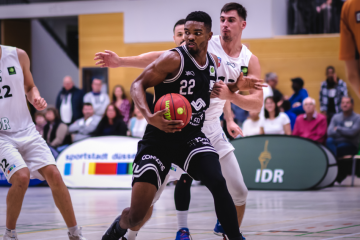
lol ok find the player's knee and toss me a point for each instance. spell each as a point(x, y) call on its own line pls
point(135, 218)
point(240, 196)
point(216, 181)
point(21, 178)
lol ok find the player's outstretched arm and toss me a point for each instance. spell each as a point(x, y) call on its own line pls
point(31, 91)
point(167, 65)
point(112, 60)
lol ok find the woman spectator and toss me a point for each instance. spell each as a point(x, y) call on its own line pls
point(275, 122)
point(121, 102)
point(40, 122)
point(251, 126)
point(111, 123)
point(55, 131)
point(137, 124)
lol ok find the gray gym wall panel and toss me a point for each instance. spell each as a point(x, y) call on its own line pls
point(50, 64)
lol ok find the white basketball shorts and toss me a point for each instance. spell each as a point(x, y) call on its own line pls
point(23, 149)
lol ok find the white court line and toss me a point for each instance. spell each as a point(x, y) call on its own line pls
point(342, 236)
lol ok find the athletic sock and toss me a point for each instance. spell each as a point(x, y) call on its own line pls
point(72, 230)
point(131, 235)
point(182, 219)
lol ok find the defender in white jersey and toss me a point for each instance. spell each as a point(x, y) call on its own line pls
point(236, 63)
point(24, 154)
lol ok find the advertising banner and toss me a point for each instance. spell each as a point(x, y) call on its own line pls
point(98, 162)
point(278, 162)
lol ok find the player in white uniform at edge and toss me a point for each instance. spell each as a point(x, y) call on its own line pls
point(234, 58)
point(24, 154)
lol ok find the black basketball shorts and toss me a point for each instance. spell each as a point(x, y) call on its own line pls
point(153, 159)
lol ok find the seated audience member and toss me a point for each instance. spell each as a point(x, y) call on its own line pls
point(121, 102)
point(83, 127)
point(69, 101)
point(111, 123)
point(267, 92)
point(98, 99)
point(137, 124)
point(240, 114)
point(298, 97)
point(40, 122)
point(274, 121)
point(332, 90)
point(286, 106)
point(55, 131)
point(311, 125)
point(272, 80)
point(343, 136)
point(251, 126)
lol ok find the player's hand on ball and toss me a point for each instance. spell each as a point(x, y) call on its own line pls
point(39, 103)
point(246, 83)
point(221, 90)
point(168, 126)
point(233, 129)
point(107, 59)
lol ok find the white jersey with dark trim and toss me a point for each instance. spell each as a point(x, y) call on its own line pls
point(228, 70)
point(14, 112)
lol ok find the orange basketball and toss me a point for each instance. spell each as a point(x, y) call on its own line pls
point(179, 107)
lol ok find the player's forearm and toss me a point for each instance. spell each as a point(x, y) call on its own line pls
point(141, 61)
point(227, 112)
point(137, 92)
point(32, 93)
point(251, 102)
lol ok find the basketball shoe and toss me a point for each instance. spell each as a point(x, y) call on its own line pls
point(218, 230)
point(114, 232)
point(183, 234)
point(10, 235)
point(77, 235)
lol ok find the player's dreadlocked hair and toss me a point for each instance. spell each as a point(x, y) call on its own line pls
point(199, 16)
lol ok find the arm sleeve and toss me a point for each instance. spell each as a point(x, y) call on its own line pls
point(350, 132)
point(87, 130)
point(330, 131)
point(285, 119)
point(296, 131)
point(74, 127)
point(323, 105)
point(298, 110)
point(321, 130)
point(60, 135)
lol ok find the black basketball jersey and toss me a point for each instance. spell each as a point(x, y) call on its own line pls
point(194, 82)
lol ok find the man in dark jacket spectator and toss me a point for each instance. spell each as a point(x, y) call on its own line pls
point(69, 102)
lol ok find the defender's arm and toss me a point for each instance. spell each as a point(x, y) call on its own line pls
point(31, 91)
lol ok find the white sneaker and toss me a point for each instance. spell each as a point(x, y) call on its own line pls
point(77, 235)
point(12, 235)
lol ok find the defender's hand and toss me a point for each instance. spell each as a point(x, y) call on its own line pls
point(158, 120)
point(248, 83)
point(233, 129)
point(107, 59)
point(221, 90)
point(39, 103)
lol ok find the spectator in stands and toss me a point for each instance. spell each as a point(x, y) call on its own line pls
point(55, 131)
point(274, 121)
point(98, 99)
point(299, 95)
point(272, 80)
point(343, 136)
point(344, 130)
point(69, 101)
point(111, 123)
point(83, 127)
point(311, 125)
point(121, 102)
point(286, 106)
point(267, 92)
point(137, 124)
point(251, 126)
point(40, 122)
point(331, 93)
point(240, 114)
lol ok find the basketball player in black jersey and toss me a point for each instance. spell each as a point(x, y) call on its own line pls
point(164, 143)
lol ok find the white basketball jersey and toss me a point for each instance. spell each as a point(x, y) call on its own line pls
point(228, 71)
point(14, 112)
